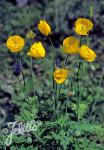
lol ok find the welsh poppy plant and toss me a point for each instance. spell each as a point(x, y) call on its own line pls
point(44, 27)
point(83, 26)
point(87, 54)
point(71, 45)
point(15, 43)
point(60, 75)
point(37, 50)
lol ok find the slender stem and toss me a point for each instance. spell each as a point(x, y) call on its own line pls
point(48, 62)
point(53, 53)
point(95, 101)
point(32, 75)
point(67, 96)
point(78, 91)
point(66, 60)
point(39, 138)
point(53, 82)
point(65, 63)
point(23, 76)
point(53, 60)
point(60, 87)
point(82, 70)
point(79, 88)
point(67, 104)
point(59, 92)
point(56, 97)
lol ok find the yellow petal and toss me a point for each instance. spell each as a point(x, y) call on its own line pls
point(37, 50)
point(71, 45)
point(83, 26)
point(87, 54)
point(60, 75)
point(15, 43)
point(44, 27)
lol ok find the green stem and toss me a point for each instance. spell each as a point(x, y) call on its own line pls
point(67, 104)
point(56, 97)
point(32, 75)
point(65, 63)
point(60, 88)
point(53, 66)
point(66, 60)
point(67, 95)
point(53, 53)
point(78, 90)
point(49, 63)
point(53, 60)
point(23, 76)
point(39, 138)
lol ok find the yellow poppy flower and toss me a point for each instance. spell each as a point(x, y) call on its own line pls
point(44, 27)
point(87, 54)
point(60, 75)
point(71, 45)
point(15, 43)
point(83, 26)
point(37, 50)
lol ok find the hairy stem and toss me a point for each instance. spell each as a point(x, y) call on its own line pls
point(23, 76)
point(78, 90)
point(32, 75)
point(53, 82)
